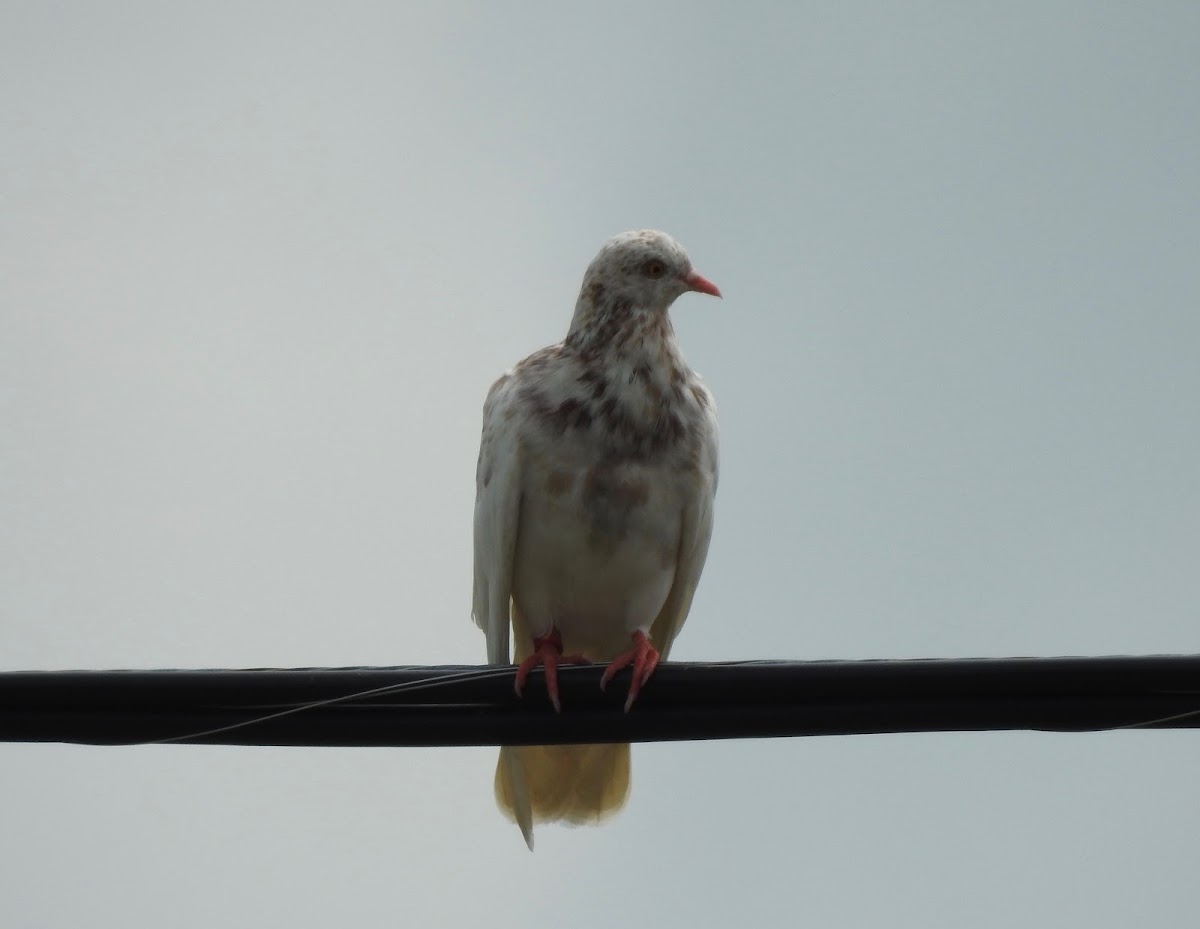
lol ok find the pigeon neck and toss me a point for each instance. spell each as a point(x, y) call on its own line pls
point(618, 329)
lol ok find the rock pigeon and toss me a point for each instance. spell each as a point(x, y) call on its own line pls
point(593, 511)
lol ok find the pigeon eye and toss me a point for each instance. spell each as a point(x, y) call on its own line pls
point(655, 268)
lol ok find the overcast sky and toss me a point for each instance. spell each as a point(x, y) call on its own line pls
point(260, 263)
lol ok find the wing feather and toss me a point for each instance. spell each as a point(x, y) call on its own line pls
point(694, 536)
point(497, 512)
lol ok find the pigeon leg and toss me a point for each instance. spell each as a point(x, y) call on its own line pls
point(644, 658)
point(547, 652)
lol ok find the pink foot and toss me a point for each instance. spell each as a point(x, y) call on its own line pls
point(644, 658)
point(547, 652)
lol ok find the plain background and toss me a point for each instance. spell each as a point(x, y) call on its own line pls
point(259, 264)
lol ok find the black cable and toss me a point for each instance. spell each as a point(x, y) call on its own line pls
point(468, 705)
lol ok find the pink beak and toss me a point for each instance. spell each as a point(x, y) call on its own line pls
point(699, 283)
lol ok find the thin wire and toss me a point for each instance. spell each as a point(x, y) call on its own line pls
point(429, 683)
point(472, 676)
point(1153, 722)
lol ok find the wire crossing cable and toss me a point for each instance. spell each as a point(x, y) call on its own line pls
point(475, 705)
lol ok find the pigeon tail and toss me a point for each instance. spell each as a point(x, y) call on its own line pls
point(576, 784)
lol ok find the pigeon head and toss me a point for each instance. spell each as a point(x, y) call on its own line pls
point(645, 269)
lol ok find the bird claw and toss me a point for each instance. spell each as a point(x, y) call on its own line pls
point(547, 652)
point(643, 656)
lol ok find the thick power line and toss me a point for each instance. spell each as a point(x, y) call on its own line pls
point(476, 705)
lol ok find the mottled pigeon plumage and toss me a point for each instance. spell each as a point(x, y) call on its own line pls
point(593, 511)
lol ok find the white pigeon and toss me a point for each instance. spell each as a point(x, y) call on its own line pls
point(593, 510)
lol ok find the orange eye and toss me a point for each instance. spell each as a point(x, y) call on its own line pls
point(655, 268)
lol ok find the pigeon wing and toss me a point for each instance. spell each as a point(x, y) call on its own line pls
point(497, 513)
point(694, 537)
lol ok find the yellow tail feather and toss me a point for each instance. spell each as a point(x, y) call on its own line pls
point(577, 784)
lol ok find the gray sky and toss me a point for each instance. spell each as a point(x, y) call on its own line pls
point(260, 266)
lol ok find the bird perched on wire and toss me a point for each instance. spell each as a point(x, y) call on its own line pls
point(593, 511)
